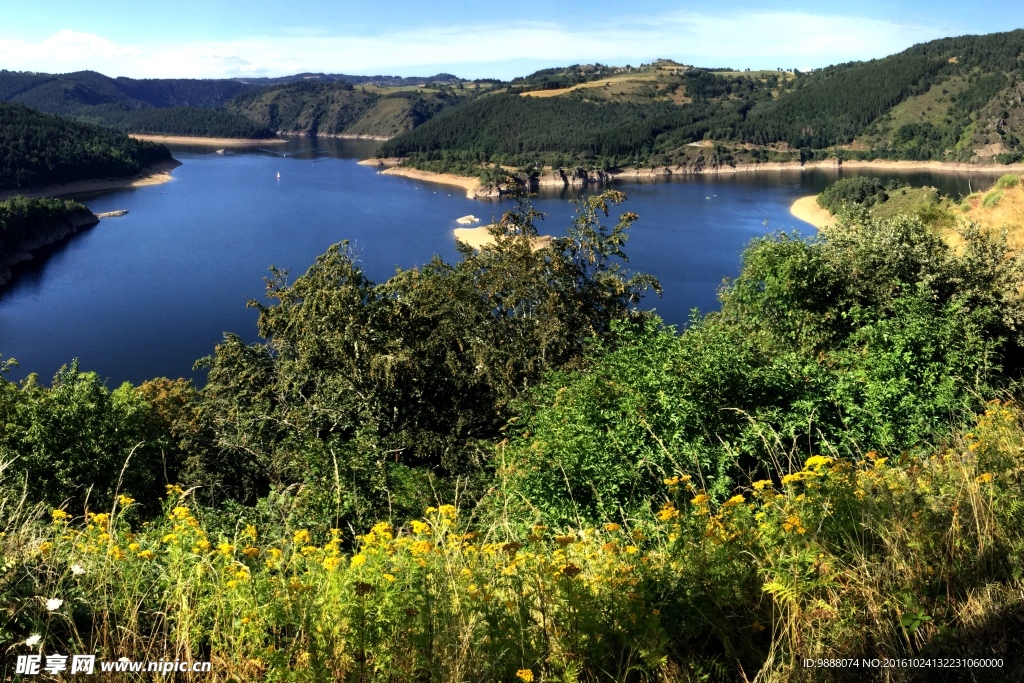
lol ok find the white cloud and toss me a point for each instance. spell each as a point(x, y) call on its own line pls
point(759, 39)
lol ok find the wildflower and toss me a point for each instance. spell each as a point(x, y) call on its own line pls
point(668, 512)
point(54, 604)
point(358, 560)
point(170, 538)
point(225, 548)
point(59, 516)
point(203, 544)
point(232, 583)
point(174, 490)
point(525, 675)
point(735, 500)
point(448, 511)
point(100, 519)
point(790, 478)
point(984, 478)
point(701, 499)
point(564, 540)
point(180, 513)
point(147, 555)
point(77, 569)
point(251, 552)
point(762, 484)
point(632, 549)
point(817, 461)
point(390, 578)
point(45, 547)
point(611, 526)
point(131, 546)
point(125, 501)
point(419, 527)
point(301, 537)
point(431, 510)
point(33, 640)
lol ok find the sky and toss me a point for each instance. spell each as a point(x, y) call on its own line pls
point(214, 39)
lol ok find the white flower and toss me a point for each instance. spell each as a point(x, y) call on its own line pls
point(54, 604)
point(77, 569)
point(33, 640)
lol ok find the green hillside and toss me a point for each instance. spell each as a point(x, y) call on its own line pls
point(958, 99)
point(312, 107)
point(41, 149)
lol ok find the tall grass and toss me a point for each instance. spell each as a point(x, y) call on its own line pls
point(917, 555)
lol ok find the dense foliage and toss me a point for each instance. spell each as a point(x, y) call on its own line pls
point(859, 190)
point(40, 149)
point(819, 466)
point(187, 121)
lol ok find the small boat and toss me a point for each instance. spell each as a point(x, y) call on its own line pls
point(220, 151)
point(278, 175)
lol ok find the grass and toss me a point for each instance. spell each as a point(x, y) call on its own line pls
point(919, 556)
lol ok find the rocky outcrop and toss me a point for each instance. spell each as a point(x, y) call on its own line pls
point(43, 236)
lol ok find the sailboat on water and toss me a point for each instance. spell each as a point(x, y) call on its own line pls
point(278, 175)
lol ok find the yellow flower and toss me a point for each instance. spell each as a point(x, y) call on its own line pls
point(735, 500)
point(170, 538)
point(358, 560)
point(611, 526)
point(331, 563)
point(133, 547)
point(225, 548)
point(203, 544)
point(180, 513)
point(817, 461)
point(390, 578)
point(100, 519)
point(984, 478)
point(701, 499)
point(667, 513)
point(419, 527)
point(448, 511)
point(125, 501)
point(250, 551)
point(301, 537)
point(173, 490)
point(60, 516)
point(147, 555)
point(632, 549)
point(525, 675)
point(790, 478)
point(232, 583)
point(762, 484)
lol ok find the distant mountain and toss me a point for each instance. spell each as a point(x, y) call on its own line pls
point(956, 99)
point(314, 107)
point(196, 106)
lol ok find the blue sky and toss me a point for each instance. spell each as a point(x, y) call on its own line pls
point(203, 39)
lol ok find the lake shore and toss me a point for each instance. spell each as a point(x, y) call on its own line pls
point(807, 210)
point(480, 237)
point(212, 142)
point(156, 174)
point(563, 179)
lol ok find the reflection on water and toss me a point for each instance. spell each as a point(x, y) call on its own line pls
point(148, 293)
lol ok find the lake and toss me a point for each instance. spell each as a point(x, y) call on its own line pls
point(147, 294)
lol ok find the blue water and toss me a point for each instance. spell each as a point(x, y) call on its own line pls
point(148, 293)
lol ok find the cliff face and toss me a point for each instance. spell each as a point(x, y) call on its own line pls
point(16, 250)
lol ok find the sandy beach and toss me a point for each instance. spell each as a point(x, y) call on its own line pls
point(153, 175)
point(480, 237)
point(470, 185)
point(807, 209)
point(212, 142)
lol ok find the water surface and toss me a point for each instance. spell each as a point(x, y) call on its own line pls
point(148, 293)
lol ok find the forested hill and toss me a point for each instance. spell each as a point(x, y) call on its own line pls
point(957, 99)
point(42, 149)
point(315, 107)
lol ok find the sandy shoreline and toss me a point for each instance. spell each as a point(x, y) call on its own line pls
point(807, 209)
point(470, 185)
point(212, 142)
point(475, 190)
point(480, 237)
point(156, 174)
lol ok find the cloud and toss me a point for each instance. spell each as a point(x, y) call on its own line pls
point(757, 39)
